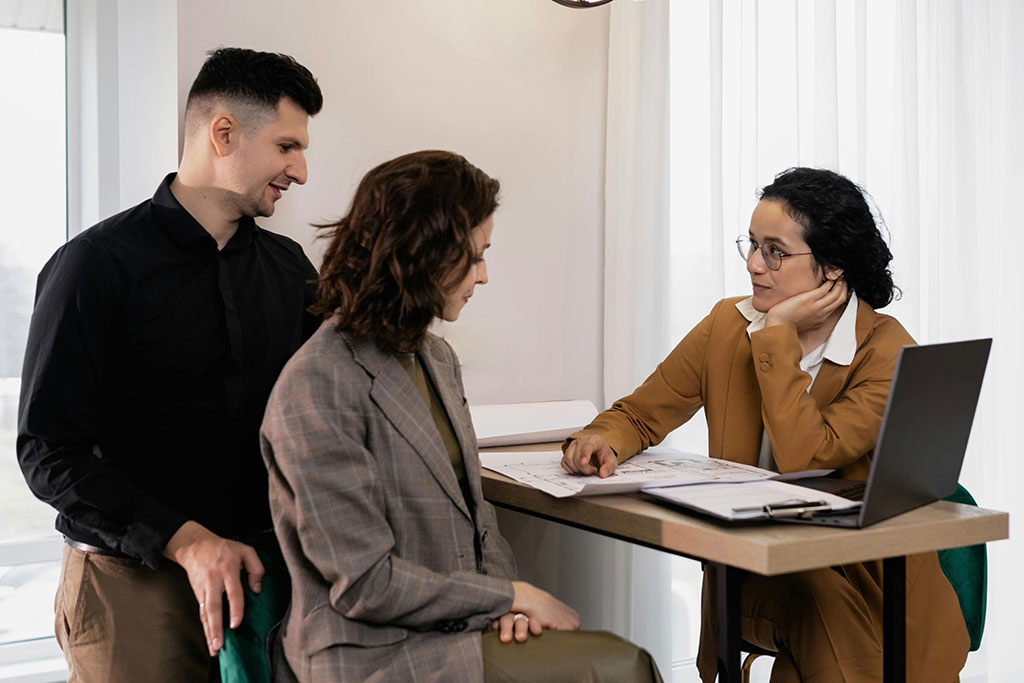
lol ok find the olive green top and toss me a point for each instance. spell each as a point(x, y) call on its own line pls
point(412, 365)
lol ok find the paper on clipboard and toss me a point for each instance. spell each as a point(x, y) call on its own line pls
point(749, 501)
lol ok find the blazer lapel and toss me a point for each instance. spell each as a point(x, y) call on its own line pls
point(742, 441)
point(440, 367)
point(396, 396)
point(828, 383)
point(831, 377)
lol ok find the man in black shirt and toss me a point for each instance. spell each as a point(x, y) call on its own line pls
point(156, 338)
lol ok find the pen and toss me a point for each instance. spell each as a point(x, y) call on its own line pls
point(805, 510)
point(770, 508)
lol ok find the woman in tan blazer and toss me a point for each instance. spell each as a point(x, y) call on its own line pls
point(796, 377)
point(396, 560)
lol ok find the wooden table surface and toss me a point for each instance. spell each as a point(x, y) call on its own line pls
point(766, 548)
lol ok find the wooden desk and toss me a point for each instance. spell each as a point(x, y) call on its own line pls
point(767, 549)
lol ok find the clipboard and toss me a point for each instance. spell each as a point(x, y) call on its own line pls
point(800, 508)
point(755, 501)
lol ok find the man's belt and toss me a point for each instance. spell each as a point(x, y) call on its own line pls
point(94, 549)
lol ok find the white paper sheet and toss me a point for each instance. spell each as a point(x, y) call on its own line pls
point(512, 424)
point(656, 466)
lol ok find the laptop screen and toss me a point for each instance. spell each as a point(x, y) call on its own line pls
point(927, 423)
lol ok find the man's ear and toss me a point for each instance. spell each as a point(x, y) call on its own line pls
point(224, 133)
point(832, 273)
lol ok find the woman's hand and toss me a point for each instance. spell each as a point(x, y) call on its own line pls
point(809, 309)
point(534, 610)
point(590, 455)
point(512, 625)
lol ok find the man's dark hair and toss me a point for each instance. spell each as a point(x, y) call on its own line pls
point(839, 228)
point(406, 241)
point(254, 82)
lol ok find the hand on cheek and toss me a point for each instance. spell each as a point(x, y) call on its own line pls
point(811, 308)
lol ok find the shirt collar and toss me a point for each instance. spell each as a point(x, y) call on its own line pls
point(840, 346)
point(184, 230)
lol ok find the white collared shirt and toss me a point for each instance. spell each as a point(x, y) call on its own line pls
point(839, 348)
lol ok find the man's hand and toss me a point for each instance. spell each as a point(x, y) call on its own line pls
point(590, 455)
point(214, 567)
point(534, 610)
point(809, 309)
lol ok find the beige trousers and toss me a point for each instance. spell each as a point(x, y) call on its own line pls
point(567, 657)
point(118, 621)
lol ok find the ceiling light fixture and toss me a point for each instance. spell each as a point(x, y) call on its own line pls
point(579, 4)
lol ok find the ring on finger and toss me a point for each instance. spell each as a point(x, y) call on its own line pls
point(520, 616)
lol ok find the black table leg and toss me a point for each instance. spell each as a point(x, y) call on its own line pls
point(894, 620)
point(728, 581)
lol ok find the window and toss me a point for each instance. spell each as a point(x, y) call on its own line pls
point(35, 224)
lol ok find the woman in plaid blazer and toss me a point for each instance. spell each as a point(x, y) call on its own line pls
point(396, 559)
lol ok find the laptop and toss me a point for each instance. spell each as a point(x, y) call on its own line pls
point(923, 438)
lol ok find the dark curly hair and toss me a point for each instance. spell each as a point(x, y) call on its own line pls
point(839, 228)
point(406, 240)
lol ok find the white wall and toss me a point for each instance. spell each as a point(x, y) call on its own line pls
point(518, 87)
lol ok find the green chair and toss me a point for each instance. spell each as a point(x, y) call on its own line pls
point(966, 569)
point(244, 657)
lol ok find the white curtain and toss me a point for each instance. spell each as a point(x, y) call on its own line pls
point(636, 291)
point(922, 104)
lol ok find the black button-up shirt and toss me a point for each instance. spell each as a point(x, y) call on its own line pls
point(150, 358)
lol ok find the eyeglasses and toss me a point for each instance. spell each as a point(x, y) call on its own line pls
point(771, 254)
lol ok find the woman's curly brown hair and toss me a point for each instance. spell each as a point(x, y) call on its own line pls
point(839, 228)
point(405, 242)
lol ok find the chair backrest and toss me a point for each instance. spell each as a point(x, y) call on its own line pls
point(966, 568)
point(243, 659)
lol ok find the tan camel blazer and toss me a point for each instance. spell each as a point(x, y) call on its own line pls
point(747, 384)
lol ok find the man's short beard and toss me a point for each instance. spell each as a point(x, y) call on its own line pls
point(260, 208)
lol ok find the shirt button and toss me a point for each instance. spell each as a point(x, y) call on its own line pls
point(764, 358)
point(764, 367)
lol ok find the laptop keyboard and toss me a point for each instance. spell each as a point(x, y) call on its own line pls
point(854, 490)
point(845, 488)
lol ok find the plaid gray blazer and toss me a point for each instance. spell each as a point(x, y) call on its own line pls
point(393, 575)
